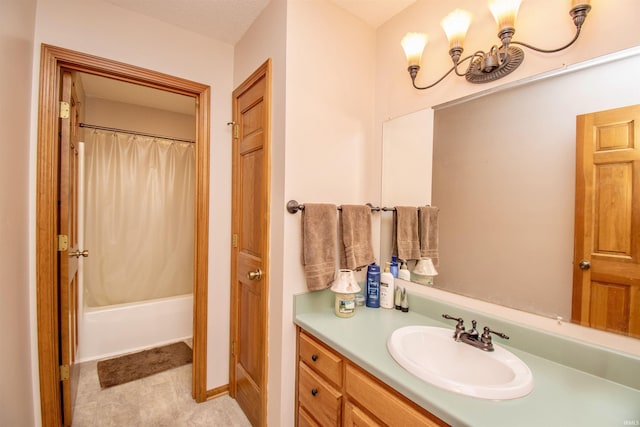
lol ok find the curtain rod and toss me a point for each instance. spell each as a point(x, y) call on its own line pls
point(170, 138)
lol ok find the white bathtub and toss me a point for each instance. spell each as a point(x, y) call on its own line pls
point(123, 328)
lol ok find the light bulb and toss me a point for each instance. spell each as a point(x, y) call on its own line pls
point(413, 45)
point(505, 12)
point(455, 25)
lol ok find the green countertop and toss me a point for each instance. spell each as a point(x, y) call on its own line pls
point(563, 395)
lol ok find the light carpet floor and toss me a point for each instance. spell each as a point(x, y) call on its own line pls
point(161, 400)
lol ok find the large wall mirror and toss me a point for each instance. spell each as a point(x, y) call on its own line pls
point(503, 176)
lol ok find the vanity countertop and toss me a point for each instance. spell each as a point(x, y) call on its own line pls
point(562, 395)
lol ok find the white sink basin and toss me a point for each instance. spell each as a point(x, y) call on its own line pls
point(431, 354)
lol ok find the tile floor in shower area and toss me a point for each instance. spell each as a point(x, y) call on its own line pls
point(161, 400)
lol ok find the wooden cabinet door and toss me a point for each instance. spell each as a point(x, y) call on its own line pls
point(355, 417)
point(606, 280)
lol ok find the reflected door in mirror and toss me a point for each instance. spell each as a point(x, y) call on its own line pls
point(606, 293)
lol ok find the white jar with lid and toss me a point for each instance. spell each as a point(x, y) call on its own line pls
point(345, 287)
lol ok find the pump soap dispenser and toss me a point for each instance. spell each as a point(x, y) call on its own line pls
point(387, 288)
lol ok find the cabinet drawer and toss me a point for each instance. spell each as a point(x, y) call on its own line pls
point(318, 398)
point(305, 420)
point(390, 407)
point(321, 359)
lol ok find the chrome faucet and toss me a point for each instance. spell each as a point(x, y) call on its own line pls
point(472, 337)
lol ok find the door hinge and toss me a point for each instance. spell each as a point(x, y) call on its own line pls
point(64, 372)
point(233, 348)
point(234, 128)
point(64, 110)
point(63, 242)
point(235, 240)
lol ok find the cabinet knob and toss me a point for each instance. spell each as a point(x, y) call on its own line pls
point(314, 357)
point(314, 391)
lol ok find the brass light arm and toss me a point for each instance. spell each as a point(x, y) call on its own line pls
point(413, 70)
point(501, 59)
point(549, 50)
point(471, 58)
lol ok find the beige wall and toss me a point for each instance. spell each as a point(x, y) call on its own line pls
point(102, 112)
point(17, 386)
point(320, 137)
point(330, 98)
point(329, 134)
point(104, 30)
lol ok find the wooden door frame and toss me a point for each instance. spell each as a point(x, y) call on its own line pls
point(52, 60)
point(263, 70)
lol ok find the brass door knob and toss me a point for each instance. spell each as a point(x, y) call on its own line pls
point(79, 253)
point(255, 275)
point(584, 265)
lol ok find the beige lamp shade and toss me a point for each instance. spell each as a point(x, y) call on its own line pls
point(425, 267)
point(455, 25)
point(413, 45)
point(505, 12)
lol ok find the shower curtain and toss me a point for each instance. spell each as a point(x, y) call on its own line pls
point(139, 218)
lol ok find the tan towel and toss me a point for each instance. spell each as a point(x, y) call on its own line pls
point(319, 225)
point(429, 233)
point(354, 232)
point(406, 243)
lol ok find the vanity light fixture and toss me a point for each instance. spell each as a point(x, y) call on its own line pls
point(499, 60)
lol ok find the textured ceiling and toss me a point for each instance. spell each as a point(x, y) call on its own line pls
point(228, 20)
point(374, 12)
point(222, 20)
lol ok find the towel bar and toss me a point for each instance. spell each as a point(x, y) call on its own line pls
point(293, 207)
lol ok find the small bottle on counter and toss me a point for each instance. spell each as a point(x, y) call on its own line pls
point(404, 272)
point(397, 300)
point(387, 288)
point(393, 267)
point(404, 306)
point(373, 286)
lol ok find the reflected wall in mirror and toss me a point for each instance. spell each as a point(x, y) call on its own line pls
point(406, 168)
point(503, 178)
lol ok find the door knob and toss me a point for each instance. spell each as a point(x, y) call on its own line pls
point(255, 275)
point(79, 253)
point(584, 265)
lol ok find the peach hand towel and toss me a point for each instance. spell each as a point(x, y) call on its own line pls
point(354, 232)
point(406, 242)
point(429, 233)
point(319, 227)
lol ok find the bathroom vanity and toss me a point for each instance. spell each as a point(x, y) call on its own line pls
point(333, 391)
point(346, 376)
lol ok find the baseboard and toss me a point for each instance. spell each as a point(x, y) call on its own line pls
point(218, 391)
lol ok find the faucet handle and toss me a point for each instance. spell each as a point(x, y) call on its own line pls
point(487, 338)
point(459, 326)
point(459, 319)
